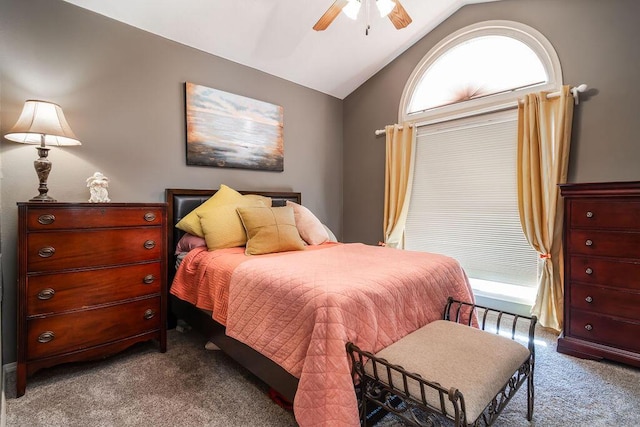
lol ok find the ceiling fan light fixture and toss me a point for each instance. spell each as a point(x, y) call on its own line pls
point(392, 9)
point(352, 9)
point(385, 7)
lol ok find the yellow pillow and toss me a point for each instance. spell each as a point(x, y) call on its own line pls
point(224, 196)
point(270, 230)
point(264, 199)
point(222, 226)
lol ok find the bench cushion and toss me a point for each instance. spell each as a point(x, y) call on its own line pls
point(476, 362)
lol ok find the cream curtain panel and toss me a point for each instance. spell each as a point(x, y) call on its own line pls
point(400, 149)
point(544, 137)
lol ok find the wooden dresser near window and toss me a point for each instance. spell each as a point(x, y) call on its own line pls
point(602, 271)
point(91, 281)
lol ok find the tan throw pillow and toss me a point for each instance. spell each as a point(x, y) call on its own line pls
point(222, 226)
point(270, 230)
point(309, 226)
point(224, 196)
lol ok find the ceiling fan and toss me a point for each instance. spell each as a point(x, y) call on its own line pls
point(390, 8)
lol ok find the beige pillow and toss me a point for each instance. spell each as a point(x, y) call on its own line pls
point(270, 230)
point(222, 226)
point(309, 227)
point(224, 196)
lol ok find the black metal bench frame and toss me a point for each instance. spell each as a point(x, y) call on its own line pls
point(380, 390)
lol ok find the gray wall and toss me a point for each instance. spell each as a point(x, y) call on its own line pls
point(597, 42)
point(122, 91)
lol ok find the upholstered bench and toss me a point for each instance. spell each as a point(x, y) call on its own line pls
point(451, 367)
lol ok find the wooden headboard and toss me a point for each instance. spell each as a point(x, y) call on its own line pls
point(182, 201)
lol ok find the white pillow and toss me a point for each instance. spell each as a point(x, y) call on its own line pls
point(332, 237)
point(310, 228)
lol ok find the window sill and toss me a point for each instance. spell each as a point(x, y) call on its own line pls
point(503, 291)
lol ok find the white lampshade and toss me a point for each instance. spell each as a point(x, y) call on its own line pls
point(42, 123)
point(352, 9)
point(42, 118)
point(385, 7)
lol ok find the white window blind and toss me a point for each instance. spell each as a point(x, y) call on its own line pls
point(464, 199)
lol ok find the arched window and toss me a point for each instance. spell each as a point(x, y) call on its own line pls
point(480, 68)
point(462, 97)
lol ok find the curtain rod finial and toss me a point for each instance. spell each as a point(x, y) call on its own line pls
point(575, 90)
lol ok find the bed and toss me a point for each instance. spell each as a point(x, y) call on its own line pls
point(290, 331)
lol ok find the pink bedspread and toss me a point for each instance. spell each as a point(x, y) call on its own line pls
point(203, 279)
point(299, 309)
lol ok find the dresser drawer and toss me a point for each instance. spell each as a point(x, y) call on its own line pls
point(605, 214)
point(611, 272)
point(53, 335)
point(605, 330)
point(605, 301)
point(604, 243)
point(56, 218)
point(60, 250)
point(50, 293)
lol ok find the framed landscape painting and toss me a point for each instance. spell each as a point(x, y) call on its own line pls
point(233, 131)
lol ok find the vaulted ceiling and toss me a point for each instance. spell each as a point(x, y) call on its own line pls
point(276, 36)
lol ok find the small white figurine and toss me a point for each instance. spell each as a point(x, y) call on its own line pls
point(98, 184)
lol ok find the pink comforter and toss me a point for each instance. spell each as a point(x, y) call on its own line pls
point(301, 308)
point(203, 279)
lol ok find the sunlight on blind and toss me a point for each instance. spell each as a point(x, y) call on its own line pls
point(464, 199)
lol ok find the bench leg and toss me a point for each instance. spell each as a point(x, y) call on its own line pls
point(530, 395)
point(363, 402)
point(363, 413)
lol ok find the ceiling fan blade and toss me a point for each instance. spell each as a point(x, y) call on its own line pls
point(331, 14)
point(399, 16)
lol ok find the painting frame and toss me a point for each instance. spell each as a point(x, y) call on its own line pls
point(232, 131)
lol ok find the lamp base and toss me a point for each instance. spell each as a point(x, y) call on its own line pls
point(43, 198)
point(43, 167)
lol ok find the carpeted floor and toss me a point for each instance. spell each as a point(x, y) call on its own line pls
point(186, 386)
point(190, 386)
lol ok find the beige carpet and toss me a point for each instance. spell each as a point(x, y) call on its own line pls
point(190, 386)
point(186, 386)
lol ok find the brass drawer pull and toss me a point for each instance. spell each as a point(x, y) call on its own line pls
point(47, 252)
point(149, 217)
point(589, 242)
point(589, 214)
point(149, 278)
point(46, 294)
point(589, 270)
point(46, 337)
point(46, 219)
point(589, 299)
point(149, 314)
point(588, 327)
point(149, 244)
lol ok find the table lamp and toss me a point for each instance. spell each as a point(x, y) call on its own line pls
point(42, 123)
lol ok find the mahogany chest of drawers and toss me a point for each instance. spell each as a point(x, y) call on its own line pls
point(91, 281)
point(602, 271)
